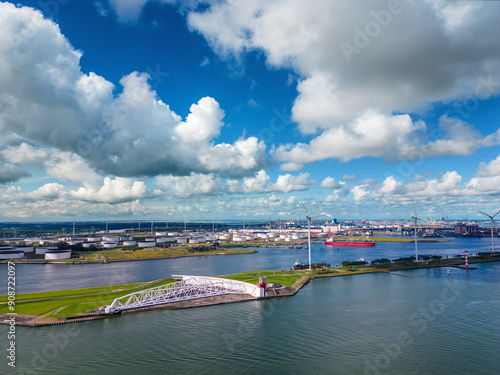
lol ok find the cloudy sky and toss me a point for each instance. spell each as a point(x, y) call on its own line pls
point(233, 109)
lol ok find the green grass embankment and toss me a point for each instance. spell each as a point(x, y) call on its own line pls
point(281, 277)
point(75, 301)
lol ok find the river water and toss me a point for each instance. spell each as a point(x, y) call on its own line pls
point(411, 322)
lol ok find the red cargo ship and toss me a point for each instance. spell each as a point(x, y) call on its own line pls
point(349, 243)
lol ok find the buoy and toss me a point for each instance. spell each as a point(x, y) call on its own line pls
point(448, 272)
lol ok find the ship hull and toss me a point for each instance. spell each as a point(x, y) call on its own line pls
point(349, 243)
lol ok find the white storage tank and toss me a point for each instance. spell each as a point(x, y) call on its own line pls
point(161, 240)
point(11, 254)
point(129, 243)
point(146, 243)
point(88, 244)
point(173, 234)
point(26, 249)
point(48, 241)
point(94, 239)
point(161, 234)
point(43, 249)
point(65, 239)
point(238, 238)
point(127, 238)
point(57, 254)
point(109, 245)
point(169, 239)
point(211, 238)
point(74, 242)
point(181, 239)
point(194, 240)
point(31, 241)
point(110, 239)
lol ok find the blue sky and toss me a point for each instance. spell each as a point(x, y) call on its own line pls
point(185, 109)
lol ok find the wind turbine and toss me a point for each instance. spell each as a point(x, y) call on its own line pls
point(309, 217)
point(415, 218)
point(492, 226)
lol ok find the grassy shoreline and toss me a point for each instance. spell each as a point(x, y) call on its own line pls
point(121, 255)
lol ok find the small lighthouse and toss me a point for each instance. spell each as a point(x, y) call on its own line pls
point(262, 285)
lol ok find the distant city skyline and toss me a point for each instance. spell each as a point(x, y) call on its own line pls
point(232, 109)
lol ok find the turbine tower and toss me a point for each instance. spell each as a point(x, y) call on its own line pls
point(309, 217)
point(415, 218)
point(492, 226)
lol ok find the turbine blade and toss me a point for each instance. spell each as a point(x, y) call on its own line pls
point(305, 208)
point(481, 212)
point(496, 214)
point(414, 208)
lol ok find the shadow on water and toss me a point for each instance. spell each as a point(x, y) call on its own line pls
point(397, 274)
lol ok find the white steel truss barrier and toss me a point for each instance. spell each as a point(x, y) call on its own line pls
point(190, 287)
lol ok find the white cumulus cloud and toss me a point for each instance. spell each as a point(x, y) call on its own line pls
point(490, 169)
point(189, 186)
point(344, 54)
point(116, 190)
point(330, 183)
point(48, 101)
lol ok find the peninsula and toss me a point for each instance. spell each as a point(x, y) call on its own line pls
point(76, 305)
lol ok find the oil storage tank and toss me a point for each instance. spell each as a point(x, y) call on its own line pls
point(43, 249)
point(57, 254)
point(10, 252)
